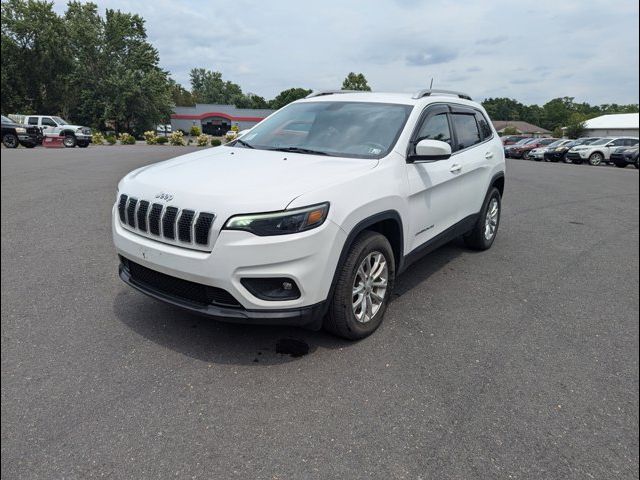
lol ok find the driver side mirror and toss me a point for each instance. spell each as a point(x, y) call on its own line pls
point(430, 151)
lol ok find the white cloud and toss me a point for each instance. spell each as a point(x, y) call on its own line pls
point(532, 50)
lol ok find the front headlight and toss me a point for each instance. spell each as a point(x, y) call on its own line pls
point(280, 223)
point(21, 130)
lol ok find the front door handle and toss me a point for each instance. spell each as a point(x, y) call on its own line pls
point(455, 168)
point(488, 155)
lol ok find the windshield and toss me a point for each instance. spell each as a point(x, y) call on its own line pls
point(557, 143)
point(524, 140)
point(6, 120)
point(59, 121)
point(344, 129)
point(602, 141)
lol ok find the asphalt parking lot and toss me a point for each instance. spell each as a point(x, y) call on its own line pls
point(520, 362)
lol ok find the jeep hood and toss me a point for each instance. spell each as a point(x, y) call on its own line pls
point(229, 181)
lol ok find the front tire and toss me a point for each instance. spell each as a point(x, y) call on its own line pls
point(69, 141)
point(484, 232)
point(526, 156)
point(620, 164)
point(10, 140)
point(596, 159)
point(364, 285)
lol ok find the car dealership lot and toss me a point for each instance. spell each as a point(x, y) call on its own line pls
point(519, 362)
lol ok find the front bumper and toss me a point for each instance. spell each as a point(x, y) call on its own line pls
point(579, 155)
point(554, 156)
point(308, 317)
point(27, 138)
point(308, 258)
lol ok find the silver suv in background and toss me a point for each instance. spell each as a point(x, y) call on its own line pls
point(600, 151)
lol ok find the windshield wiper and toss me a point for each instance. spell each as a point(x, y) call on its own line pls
point(300, 150)
point(242, 142)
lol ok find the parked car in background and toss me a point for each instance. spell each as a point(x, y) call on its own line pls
point(558, 154)
point(51, 124)
point(624, 156)
point(513, 139)
point(164, 130)
point(524, 151)
point(14, 134)
point(509, 148)
point(600, 151)
point(538, 154)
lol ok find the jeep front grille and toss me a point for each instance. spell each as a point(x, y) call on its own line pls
point(168, 224)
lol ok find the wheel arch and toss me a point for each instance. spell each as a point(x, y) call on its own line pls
point(387, 223)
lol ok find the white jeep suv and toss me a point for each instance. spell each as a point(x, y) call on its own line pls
point(308, 218)
point(599, 151)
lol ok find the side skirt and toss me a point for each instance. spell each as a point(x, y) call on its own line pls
point(451, 233)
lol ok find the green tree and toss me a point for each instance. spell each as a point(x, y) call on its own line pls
point(35, 61)
point(355, 81)
point(208, 87)
point(575, 130)
point(180, 95)
point(287, 96)
point(509, 130)
point(504, 108)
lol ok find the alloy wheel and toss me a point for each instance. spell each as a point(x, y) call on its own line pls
point(491, 219)
point(370, 286)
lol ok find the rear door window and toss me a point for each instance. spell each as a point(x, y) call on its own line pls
point(33, 121)
point(467, 130)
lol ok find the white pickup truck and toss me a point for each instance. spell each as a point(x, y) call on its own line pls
point(51, 124)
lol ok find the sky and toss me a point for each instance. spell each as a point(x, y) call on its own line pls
point(532, 51)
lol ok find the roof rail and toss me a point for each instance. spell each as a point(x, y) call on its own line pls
point(428, 92)
point(320, 93)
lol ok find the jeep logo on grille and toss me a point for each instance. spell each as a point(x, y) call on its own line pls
point(164, 196)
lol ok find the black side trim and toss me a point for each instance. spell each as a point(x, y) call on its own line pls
point(451, 233)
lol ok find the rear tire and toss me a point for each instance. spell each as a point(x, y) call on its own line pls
point(484, 232)
point(343, 318)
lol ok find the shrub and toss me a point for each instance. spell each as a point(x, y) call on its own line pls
point(177, 138)
point(161, 140)
point(97, 138)
point(202, 140)
point(235, 128)
point(150, 137)
point(230, 135)
point(111, 139)
point(126, 139)
point(215, 142)
point(195, 131)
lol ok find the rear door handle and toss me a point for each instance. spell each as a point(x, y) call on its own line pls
point(455, 168)
point(488, 155)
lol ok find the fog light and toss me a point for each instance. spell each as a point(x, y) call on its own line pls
point(276, 288)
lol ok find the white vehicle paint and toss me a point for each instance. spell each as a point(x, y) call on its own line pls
point(53, 125)
point(599, 151)
point(409, 196)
